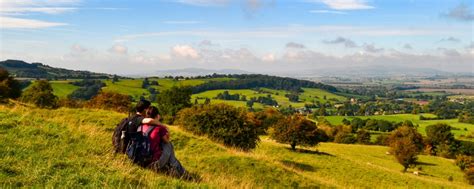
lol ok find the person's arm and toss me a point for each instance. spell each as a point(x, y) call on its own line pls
point(166, 138)
point(150, 121)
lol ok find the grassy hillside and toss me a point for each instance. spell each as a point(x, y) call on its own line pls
point(62, 88)
point(415, 119)
point(72, 148)
point(307, 97)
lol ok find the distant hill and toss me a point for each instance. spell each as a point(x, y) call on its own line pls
point(187, 72)
point(23, 69)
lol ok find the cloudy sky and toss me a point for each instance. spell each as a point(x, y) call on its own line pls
point(134, 36)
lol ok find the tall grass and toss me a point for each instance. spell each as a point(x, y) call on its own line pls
point(72, 148)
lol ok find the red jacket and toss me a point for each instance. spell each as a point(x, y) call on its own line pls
point(156, 137)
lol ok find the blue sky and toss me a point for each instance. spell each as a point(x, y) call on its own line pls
point(271, 36)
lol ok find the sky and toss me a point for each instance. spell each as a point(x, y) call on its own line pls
point(261, 36)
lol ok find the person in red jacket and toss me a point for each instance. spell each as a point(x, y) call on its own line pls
point(164, 158)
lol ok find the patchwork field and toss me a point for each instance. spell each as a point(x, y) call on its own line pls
point(71, 148)
point(413, 118)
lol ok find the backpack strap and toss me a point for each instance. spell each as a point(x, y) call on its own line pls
point(147, 133)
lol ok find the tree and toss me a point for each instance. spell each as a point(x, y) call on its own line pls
point(439, 135)
point(9, 87)
point(222, 123)
point(250, 104)
point(363, 136)
point(174, 99)
point(41, 94)
point(296, 130)
point(322, 111)
point(111, 101)
point(115, 79)
point(463, 162)
point(406, 143)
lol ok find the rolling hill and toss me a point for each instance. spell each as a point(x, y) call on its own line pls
point(71, 148)
point(23, 69)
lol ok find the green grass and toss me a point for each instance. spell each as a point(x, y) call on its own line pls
point(62, 88)
point(71, 148)
point(306, 97)
point(413, 118)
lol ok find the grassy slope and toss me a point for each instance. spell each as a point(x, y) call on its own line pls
point(70, 148)
point(306, 97)
point(62, 88)
point(415, 119)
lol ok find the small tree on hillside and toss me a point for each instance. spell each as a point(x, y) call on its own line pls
point(363, 136)
point(111, 101)
point(172, 100)
point(41, 94)
point(145, 83)
point(296, 130)
point(9, 87)
point(439, 135)
point(406, 143)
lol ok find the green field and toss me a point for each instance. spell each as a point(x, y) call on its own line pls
point(336, 120)
point(62, 88)
point(307, 97)
point(71, 148)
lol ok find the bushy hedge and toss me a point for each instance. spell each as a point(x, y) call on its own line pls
point(111, 101)
point(222, 123)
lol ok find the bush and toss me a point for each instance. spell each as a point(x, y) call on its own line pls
point(345, 137)
point(406, 143)
point(363, 137)
point(296, 130)
point(382, 139)
point(111, 101)
point(9, 87)
point(440, 138)
point(469, 175)
point(222, 123)
point(87, 90)
point(267, 119)
point(70, 103)
point(463, 162)
point(41, 94)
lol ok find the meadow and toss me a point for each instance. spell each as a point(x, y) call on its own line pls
point(72, 148)
point(461, 128)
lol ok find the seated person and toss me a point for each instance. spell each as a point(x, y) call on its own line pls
point(164, 158)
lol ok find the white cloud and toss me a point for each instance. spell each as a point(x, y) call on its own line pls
point(407, 46)
point(372, 49)
point(327, 12)
point(346, 4)
point(185, 51)
point(76, 48)
point(270, 57)
point(118, 49)
point(12, 23)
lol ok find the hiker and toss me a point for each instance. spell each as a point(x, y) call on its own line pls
point(164, 159)
point(121, 136)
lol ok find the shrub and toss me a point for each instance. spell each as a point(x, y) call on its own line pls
point(363, 137)
point(9, 87)
point(463, 162)
point(469, 175)
point(267, 118)
point(382, 139)
point(222, 123)
point(41, 94)
point(296, 130)
point(111, 101)
point(345, 137)
point(70, 103)
point(406, 143)
point(87, 90)
point(439, 137)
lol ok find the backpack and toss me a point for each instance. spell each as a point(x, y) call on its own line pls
point(121, 135)
point(139, 150)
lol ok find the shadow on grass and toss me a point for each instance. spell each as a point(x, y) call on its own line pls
point(298, 166)
point(306, 151)
point(424, 163)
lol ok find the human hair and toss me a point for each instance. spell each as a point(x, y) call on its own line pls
point(142, 105)
point(152, 112)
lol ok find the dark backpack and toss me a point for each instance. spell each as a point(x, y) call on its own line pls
point(121, 136)
point(139, 150)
